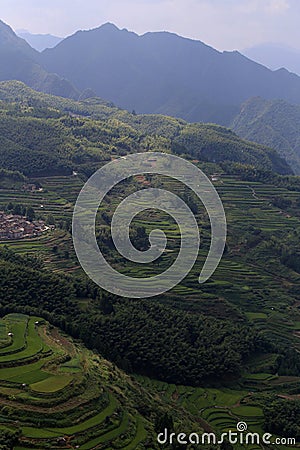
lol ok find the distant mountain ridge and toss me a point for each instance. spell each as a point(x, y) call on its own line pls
point(164, 73)
point(274, 123)
point(160, 73)
point(39, 41)
point(275, 56)
point(19, 61)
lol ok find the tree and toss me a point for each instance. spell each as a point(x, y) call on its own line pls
point(50, 219)
point(30, 214)
point(105, 305)
point(17, 210)
point(164, 421)
point(226, 446)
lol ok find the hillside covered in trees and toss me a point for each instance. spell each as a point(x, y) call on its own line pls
point(274, 123)
point(63, 135)
point(127, 331)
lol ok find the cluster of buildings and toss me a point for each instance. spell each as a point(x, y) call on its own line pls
point(18, 227)
point(31, 187)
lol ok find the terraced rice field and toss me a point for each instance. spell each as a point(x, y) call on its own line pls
point(57, 199)
point(250, 284)
point(54, 392)
point(217, 410)
point(38, 370)
point(243, 280)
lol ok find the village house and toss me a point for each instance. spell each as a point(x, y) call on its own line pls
point(14, 227)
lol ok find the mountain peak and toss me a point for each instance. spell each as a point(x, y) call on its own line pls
point(4, 25)
point(109, 26)
point(161, 72)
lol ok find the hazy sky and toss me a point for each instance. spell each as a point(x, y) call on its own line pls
point(224, 24)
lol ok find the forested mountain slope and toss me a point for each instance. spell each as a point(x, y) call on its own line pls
point(273, 123)
point(61, 135)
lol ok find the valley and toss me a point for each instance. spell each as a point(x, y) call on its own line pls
point(82, 368)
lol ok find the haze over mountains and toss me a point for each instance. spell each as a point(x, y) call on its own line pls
point(154, 73)
point(275, 56)
point(274, 123)
point(39, 41)
point(197, 356)
point(19, 61)
point(165, 73)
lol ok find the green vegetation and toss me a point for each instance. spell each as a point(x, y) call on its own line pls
point(119, 328)
point(61, 138)
point(129, 327)
point(283, 418)
point(95, 404)
point(221, 351)
point(52, 384)
point(274, 123)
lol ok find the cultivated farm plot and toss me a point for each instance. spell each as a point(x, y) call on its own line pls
point(41, 374)
point(217, 410)
point(44, 386)
point(56, 199)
